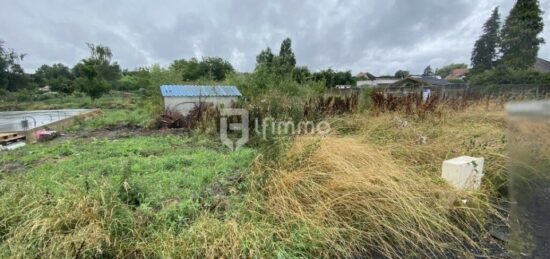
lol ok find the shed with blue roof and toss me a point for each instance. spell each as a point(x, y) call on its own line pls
point(186, 97)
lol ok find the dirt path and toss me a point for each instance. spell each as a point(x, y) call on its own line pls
point(122, 132)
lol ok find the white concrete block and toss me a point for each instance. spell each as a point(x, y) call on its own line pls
point(463, 172)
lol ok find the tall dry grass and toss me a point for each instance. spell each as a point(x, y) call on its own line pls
point(357, 202)
point(77, 226)
point(423, 143)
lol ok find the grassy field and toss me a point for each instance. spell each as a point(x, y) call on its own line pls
point(371, 188)
point(114, 100)
point(98, 193)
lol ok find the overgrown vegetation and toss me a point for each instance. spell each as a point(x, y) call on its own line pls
point(106, 197)
point(370, 188)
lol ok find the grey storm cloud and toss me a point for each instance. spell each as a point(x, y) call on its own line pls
point(370, 35)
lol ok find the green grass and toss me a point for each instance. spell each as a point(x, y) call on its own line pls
point(112, 118)
point(112, 100)
point(168, 181)
point(189, 197)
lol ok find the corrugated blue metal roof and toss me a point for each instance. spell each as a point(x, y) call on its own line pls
point(199, 90)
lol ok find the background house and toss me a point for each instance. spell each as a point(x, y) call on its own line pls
point(418, 84)
point(365, 76)
point(375, 82)
point(542, 65)
point(459, 73)
point(184, 98)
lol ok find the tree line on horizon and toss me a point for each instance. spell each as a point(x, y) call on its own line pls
point(97, 74)
point(500, 55)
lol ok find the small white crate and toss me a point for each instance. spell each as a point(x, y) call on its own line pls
point(463, 172)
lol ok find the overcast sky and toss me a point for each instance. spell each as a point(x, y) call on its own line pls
point(378, 36)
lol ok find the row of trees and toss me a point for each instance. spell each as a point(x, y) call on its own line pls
point(284, 66)
point(210, 68)
point(497, 55)
point(501, 53)
point(98, 74)
point(93, 75)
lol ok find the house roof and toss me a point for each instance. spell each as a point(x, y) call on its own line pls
point(432, 80)
point(457, 73)
point(199, 90)
point(381, 81)
point(542, 65)
point(367, 75)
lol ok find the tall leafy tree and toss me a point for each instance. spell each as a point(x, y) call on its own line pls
point(428, 71)
point(281, 65)
point(97, 74)
point(189, 69)
point(212, 68)
point(17, 79)
point(4, 64)
point(401, 73)
point(333, 78)
point(57, 76)
point(520, 35)
point(484, 53)
point(216, 68)
point(301, 74)
point(138, 79)
point(264, 59)
point(12, 76)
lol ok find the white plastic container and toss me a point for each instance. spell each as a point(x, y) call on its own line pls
point(464, 173)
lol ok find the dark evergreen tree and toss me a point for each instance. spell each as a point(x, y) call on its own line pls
point(428, 71)
point(484, 53)
point(520, 41)
point(286, 56)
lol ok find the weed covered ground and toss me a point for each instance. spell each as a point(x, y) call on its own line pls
point(371, 188)
point(97, 193)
